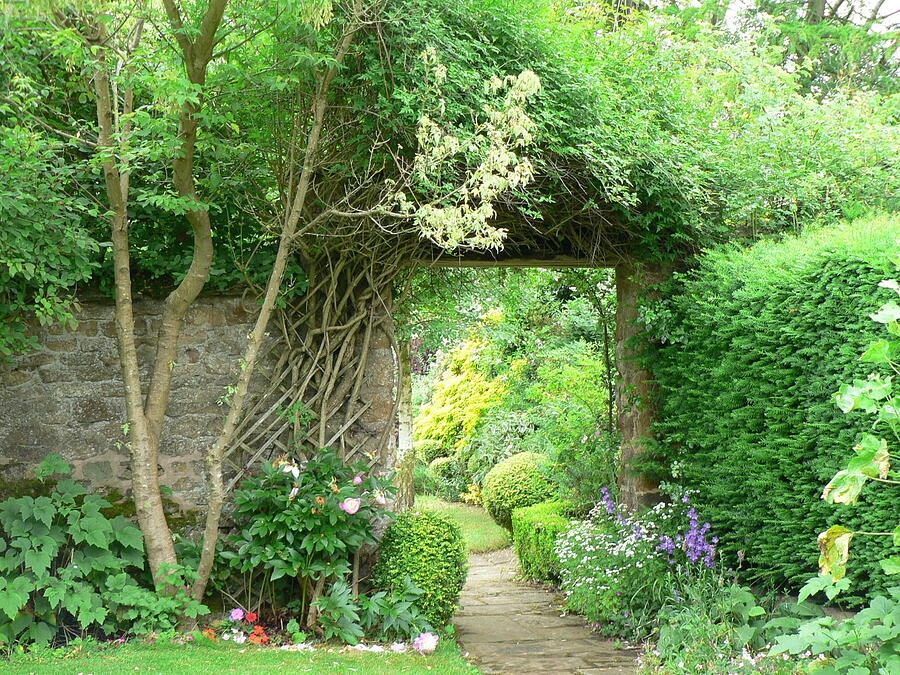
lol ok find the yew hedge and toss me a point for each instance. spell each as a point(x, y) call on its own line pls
point(754, 343)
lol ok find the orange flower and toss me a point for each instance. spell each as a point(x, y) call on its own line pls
point(320, 500)
point(258, 630)
point(209, 633)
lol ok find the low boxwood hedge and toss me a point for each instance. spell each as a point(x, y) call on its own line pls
point(535, 530)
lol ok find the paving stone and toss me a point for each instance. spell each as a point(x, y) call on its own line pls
point(515, 628)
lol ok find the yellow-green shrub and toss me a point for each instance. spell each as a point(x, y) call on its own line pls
point(461, 396)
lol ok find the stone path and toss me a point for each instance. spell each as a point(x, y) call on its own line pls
point(515, 628)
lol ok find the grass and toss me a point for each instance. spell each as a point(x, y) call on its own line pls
point(204, 657)
point(482, 534)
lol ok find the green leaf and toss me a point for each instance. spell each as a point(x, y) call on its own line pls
point(44, 510)
point(882, 351)
point(891, 565)
point(844, 488)
point(53, 463)
point(38, 560)
point(14, 596)
point(834, 543)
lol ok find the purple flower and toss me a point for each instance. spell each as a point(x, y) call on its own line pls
point(351, 505)
point(237, 614)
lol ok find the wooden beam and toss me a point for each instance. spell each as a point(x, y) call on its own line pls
point(486, 261)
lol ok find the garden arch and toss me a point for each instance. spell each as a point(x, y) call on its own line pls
point(334, 374)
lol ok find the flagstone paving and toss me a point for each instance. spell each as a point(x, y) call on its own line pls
point(515, 628)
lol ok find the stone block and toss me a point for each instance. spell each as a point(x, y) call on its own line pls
point(13, 378)
point(98, 472)
point(93, 408)
point(62, 343)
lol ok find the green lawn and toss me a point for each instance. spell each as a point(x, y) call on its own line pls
point(481, 532)
point(205, 657)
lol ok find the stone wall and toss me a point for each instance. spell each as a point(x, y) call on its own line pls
point(67, 397)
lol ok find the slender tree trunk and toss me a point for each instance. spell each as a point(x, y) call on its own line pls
point(144, 475)
point(406, 495)
point(146, 416)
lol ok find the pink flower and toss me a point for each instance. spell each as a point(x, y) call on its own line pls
point(237, 614)
point(351, 505)
point(426, 643)
point(380, 499)
point(357, 480)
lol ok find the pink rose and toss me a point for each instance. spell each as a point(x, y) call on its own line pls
point(357, 480)
point(426, 643)
point(351, 505)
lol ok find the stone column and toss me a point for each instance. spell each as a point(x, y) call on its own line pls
point(635, 386)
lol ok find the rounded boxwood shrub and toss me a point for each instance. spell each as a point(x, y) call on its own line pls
point(450, 478)
point(429, 549)
point(428, 450)
point(517, 481)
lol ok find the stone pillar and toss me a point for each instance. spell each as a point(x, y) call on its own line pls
point(634, 387)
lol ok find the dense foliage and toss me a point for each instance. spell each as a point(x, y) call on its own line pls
point(757, 341)
point(544, 352)
point(67, 567)
point(298, 527)
point(428, 549)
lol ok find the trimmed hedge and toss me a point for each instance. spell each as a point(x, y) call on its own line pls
point(759, 339)
point(429, 548)
point(519, 480)
point(535, 530)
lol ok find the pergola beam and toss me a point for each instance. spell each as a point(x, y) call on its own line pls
point(484, 261)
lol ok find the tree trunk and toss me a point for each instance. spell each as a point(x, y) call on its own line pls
point(144, 472)
point(407, 459)
point(635, 387)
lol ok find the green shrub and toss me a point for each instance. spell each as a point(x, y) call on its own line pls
point(298, 525)
point(429, 549)
point(450, 478)
point(517, 481)
point(428, 450)
point(535, 530)
point(424, 481)
point(66, 566)
point(756, 343)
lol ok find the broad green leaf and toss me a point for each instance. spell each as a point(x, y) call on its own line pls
point(14, 596)
point(834, 543)
point(891, 565)
point(53, 463)
point(38, 560)
point(882, 351)
point(844, 488)
point(872, 458)
point(44, 510)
